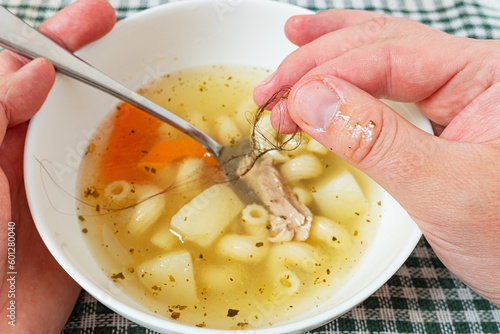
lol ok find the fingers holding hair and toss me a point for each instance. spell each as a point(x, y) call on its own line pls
point(371, 136)
point(388, 64)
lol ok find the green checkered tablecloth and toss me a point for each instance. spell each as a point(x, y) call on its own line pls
point(423, 296)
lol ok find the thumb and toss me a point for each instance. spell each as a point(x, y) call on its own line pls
point(449, 187)
point(366, 133)
point(23, 92)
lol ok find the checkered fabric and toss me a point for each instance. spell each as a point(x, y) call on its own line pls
point(423, 296)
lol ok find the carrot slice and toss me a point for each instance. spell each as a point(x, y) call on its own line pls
point(170, 150)
point(133, 152)
point(134, 133)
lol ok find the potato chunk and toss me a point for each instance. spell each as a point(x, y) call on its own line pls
point(163, 238)
point(204, 218)
point(170, 277)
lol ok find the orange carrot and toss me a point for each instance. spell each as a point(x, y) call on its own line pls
point(170, 150)
point(134, 133)
point(134, 153)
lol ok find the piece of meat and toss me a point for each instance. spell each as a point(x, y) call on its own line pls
point(290, 219)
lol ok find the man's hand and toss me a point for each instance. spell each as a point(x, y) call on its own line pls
point(448, 183)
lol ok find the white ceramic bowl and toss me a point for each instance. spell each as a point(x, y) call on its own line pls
point(140, 48)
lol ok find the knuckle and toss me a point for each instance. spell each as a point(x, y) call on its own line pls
point(389, 26)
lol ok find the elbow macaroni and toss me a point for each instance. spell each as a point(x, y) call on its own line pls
point(293, 254)
point(188, 174)
point(227, 130)
point(303, 196)
point(114, 247)
point(145, 214)
point(314, 146)
point(277, 156)
point(255, 218)
point(301, 167)
point(265, 133)
point(242, 248)
point(118, 192)
point(330, 232)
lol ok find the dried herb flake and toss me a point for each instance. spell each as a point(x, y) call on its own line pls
point(118, 276)
point(232, 313)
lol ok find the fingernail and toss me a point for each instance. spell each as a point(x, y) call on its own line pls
point(267, 79)
point(316, 104)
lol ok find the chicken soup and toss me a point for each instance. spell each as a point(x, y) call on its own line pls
point(168, 229)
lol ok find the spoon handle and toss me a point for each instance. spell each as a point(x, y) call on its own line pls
point(16, 35)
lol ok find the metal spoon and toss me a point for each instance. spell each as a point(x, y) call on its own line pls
point(18, 36)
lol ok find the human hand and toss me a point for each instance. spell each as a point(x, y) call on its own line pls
point(44, 293)
point(448, 183)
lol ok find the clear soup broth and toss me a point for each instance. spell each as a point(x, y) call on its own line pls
point(167, 229)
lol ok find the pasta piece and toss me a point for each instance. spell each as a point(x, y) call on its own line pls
point(304, 166)
point(243, 115)
point(303, 196)
point(288, 282)
point(330, 232)
point(199, 120)
point(188, 176)
point(165, 173)
point(142, 192)
point(188, 169)
point(255, 218)
point(113, 246)
point(266, 127)
point(293, 254)
point(145, 214)
point(277, 156)
point(118, 192)
point(242, 248)
point(314, 146)
point(293, 144)
point(207, 215)
point(227, 130)
point(170, 277)
point(164, 238)
point(266, 134)
point(340, 198)
point(268, 138)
